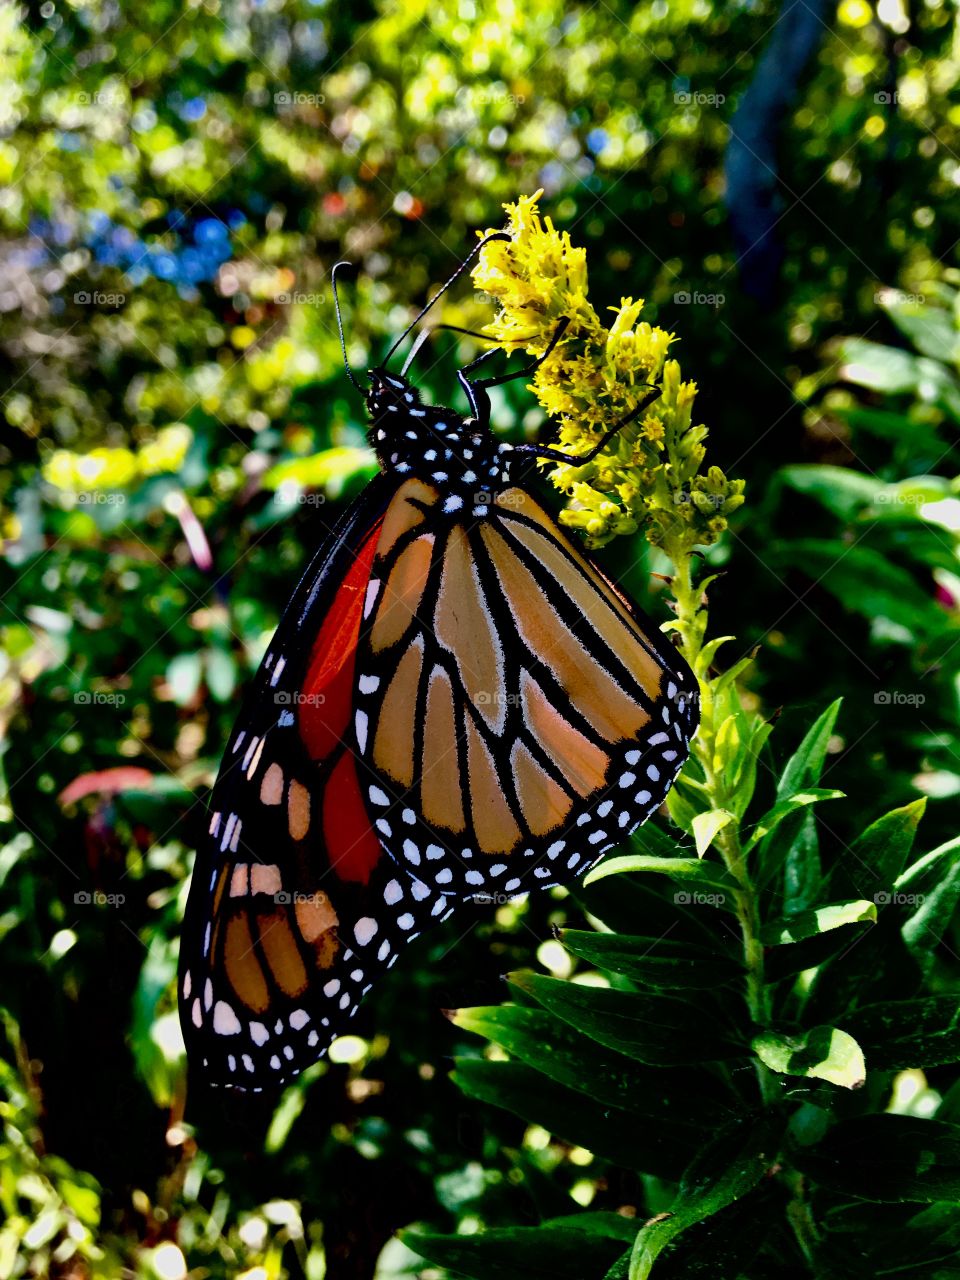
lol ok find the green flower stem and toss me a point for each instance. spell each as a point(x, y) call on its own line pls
point(691, 626)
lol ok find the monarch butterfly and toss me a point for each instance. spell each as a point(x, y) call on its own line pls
point(456, 701)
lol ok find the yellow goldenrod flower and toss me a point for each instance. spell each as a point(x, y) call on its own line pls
point(648, 476)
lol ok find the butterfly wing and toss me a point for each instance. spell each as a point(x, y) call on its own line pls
point(519, 716)
point(294, 909)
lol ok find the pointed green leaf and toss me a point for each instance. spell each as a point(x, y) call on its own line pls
point(610, 1132)
point(708, 653)
point(841, 490)
point(556, 1250)
point(879, 854)
point(783, 808)
point(792, 847)
point(802, 771)
point(730, 1166)
point(654, 962)
point(699, 875)
point(732, 674)
point(820, 920)
point(823, 1053)
point(575, 1061)
point(657, 1029)
point(706, 827)
point(933, 884)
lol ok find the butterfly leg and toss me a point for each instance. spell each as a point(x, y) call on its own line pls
point(476, 389)
point(557, 455)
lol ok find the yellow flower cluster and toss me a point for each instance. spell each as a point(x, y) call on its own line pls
point(107, 468)
point(648, 476)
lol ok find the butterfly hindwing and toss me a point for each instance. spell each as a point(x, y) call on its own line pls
point(294, 909)
point(518, 715)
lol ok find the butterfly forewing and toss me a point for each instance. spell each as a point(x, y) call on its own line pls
point(294, 908)
point(518, 716)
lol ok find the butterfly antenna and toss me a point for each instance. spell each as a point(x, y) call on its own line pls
point(497, 235)
point(422, 336)
point(336, 302)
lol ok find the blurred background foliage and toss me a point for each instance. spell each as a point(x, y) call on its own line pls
point(175, 183)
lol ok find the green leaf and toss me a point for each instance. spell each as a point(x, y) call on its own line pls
point(802, 771)
point(934, 884)
point(710, 884)
point(896, 372)
point(613, 1133)
point(783, 808)
point(725, 1244)
point(823, 1053)
point(561, 1249)
point(575, 1061)
point(657, 1029)
point(184, 673)
point(655, 962)
point(930, 329)
point(806, 924)
point(708, 653)
point(221, 672)
point(909, 1033)
point(867, 582)
point(879, 854)
point(886, 1158)
point(730, 1166)
point(841, 490)
point(791, 848)
point(783, 961)
point(707, 825)
point(732, 674)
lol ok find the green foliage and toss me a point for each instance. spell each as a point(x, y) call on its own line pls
point(676, 1007)
point(178, 435)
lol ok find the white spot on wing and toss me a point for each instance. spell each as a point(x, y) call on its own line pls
point(373, 590)
point(225, 1021)
point(365, 929)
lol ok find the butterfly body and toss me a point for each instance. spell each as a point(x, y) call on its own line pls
point(435, 445)
point(457, 703)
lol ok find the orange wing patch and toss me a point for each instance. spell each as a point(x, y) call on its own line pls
point(585, 680)
point(464, 627)
point(511, 706)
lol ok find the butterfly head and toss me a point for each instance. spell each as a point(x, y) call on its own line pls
point(389, 394)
